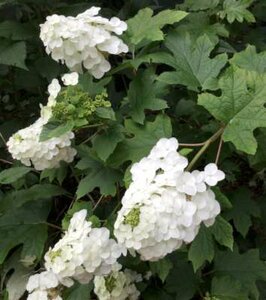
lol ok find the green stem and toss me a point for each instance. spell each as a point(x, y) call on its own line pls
point(204, 148)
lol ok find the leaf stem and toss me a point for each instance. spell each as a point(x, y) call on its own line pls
point(219, 151)
point(192, 145)
point(204, 148)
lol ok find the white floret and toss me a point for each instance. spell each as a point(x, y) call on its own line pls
point(213, 175)
point(117, 286)
point(84, 41)
point(71, 78)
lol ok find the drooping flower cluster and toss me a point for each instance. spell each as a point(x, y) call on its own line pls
point(119, 285)
point(165, 205)
point(25, 145)
point(84, 40)
point(82, 253)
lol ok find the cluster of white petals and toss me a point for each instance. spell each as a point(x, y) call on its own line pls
point(119, 285)
point(42, 287)
point(165, 205)
point(82, 252)
point(25, 145)
point(84, 40)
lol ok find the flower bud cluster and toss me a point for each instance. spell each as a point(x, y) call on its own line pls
point(82, 253)
point(118, 285)
point(85, 40)
point(25, 145)
point(165, 205)
point(76, 105)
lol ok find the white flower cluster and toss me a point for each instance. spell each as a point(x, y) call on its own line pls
point(43, 287)
point(165, 205)
point(84, 40)
point(82, 253)
point(117, 286)
point(25, 144)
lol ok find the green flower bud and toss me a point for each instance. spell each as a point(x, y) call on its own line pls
point(133, 217)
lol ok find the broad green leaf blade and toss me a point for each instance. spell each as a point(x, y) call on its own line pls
point(145, 137)
point(196, 5)
point(240, 107)
point(223, 232)
point(17, 31)
point(222, 199)
point(91, 87)
point(144, 94)
point(161, 267)
point(175, 283)
point(104, 144)
point(236, 10)
point(97, 174)
point(13, 54)
point(202, 248)
point(13, 174)
point(228, 288)
point(250, 60)
point(78, 292)
point(52, 130)
point(138, 33)
point(243, 209)
point(25, 225)
point(194, 67)
point(247, 268)
point(37, 192)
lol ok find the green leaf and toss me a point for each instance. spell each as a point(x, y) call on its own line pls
point(13, 174)
point(222, 199)
point(247, 268)
point(78, 292)
point(104, 144)
point(250, 60)
point(143, 94)
point(202, 248)
point(161, 267)
point(55, 129)
point(195, 5)
point(25, 225)
point(37, 192)
point(175, 283)
point(57, 173)
point(91, 87)
point(17, 31)
point(259, 159)
point(223, 232)
point(16, 284)
point(240, 107)
point(138, 33)
point(97, 175)
point(243, 208)
point(192, 62)
point(13, 54)
point(105, 113)
point(145, 137)
point(236, 10)
point(228, 288)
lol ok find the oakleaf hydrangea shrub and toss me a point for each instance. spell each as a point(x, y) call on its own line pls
point(132, 154)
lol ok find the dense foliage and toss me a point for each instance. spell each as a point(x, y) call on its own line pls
point(194, 70)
